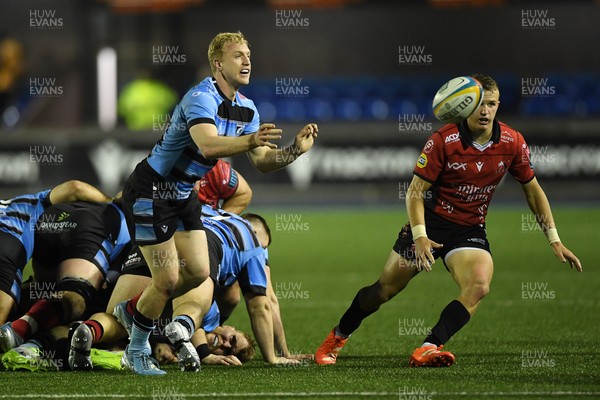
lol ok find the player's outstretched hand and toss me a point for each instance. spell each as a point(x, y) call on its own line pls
point(306, 137)
point(423, 257)
point(213, 359)
point(565, 255)
point(266, 133)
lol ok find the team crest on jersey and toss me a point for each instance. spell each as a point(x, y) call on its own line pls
point(239, 129)
point(428, 146)
point(501, 167)
point(422, 162)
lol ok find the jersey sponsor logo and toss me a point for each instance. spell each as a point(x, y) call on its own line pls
point(55, 227)
point(457, 166)
point(506, 137)
point(477, 240)
point(479, 165)
point(422, 162)
point(455, 137)
point(63, 215)
point(428, 146)
point(469, 193)
point(447, 206)
point(133, 259)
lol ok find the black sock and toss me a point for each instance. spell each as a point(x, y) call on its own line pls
point(187, 322)
point(353, 316)
point(55, 351)
point(142, 322)
point(452, 319)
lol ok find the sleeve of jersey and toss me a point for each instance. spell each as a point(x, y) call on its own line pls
point(211, 318)
point(522, 167)
point(44, 198)
point(199, 108)
point(254, 124)
point(230, 185)
point(431, 160)
point(253, 278)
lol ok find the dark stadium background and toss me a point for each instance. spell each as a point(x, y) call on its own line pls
point(338, 63)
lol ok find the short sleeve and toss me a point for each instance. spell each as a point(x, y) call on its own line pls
point(254, 124)
point(253, 278)
point(211, 318)
point(431, 160)
point(522, 167)
point(44, 198)
point(199, 107)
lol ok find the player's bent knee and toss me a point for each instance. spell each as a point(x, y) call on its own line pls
point(376, 294)
point(166, 284)
point(195, 276)
point(477, 291)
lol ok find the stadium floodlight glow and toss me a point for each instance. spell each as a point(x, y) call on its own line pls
point(106, 67)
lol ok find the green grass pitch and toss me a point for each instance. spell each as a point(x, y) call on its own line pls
point(535, 336)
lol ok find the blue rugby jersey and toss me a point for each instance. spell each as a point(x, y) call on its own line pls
point(19, 215)
point(114, 246)
point(211, 318)
point(243, 257)
point(175, 156)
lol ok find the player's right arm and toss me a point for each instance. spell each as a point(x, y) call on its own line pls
point(415, 207)
point(261, 319)
point(214, 146)
point(76, 191)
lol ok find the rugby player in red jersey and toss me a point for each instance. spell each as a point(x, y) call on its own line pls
point(447, 201)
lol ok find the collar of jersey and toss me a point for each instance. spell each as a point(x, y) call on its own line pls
point(466, 137)
point(214, 82)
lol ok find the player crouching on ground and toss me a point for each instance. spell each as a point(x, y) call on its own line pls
point(447, 201)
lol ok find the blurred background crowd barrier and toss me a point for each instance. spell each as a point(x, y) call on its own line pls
point(87, 87)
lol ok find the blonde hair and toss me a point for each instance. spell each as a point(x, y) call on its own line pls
point(215, 48)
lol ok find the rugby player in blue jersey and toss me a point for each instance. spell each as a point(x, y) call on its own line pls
point(18, 217)
point(75, 245)
point(212, 120)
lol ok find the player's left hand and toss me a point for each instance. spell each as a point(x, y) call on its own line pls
point(306, 137)
point(565, 255)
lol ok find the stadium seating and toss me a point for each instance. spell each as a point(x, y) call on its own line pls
point(379, 99)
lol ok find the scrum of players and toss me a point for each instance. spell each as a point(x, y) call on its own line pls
point(74, 312)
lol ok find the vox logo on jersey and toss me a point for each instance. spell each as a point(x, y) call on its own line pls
point(457, 166)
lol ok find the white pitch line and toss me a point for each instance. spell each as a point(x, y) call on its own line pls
point(182, 396)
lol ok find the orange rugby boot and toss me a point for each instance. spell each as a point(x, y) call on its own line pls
point(330, 348)
point(431, 356)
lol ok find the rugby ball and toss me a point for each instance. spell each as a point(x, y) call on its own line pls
point(457, 99)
